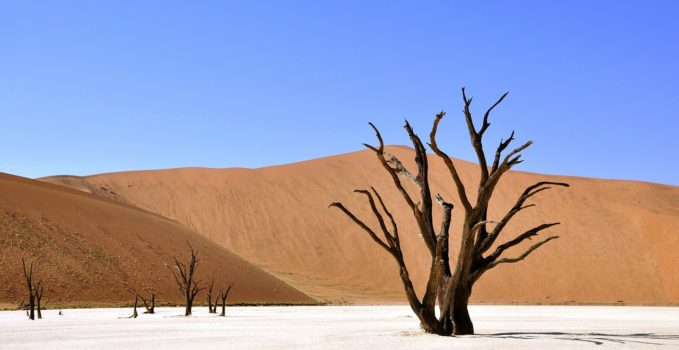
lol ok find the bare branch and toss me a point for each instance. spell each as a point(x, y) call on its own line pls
point(522, 256)
point(394, 176)
point(486, 124)
point(396, 164)
point(518, 206)
point(509, 161)
point(394, 227)
point(520, 238)
point(176, 279)
point(361, 224)
point(379, 138)
point(449, 163)
point(387, 235)
point(476, 137)
point(498, 153)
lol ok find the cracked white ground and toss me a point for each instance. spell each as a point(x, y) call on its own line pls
point(342, 327)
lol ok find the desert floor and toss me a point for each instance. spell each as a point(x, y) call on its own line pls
point(342, 327)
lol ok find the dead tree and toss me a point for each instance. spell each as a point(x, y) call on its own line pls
point(223, 297)
point(39, 290)
point(187, 286)
point(28, 276)
point(451, 287)
point(150, 305)
point(134, 313)
point(210, 308)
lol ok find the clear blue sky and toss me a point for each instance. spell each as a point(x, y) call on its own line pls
point(93, 86)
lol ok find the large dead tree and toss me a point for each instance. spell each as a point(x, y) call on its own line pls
point(188, 287)
point(478, 252)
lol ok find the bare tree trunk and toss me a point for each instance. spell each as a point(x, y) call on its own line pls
point(38, 298)
point(462, 323)
point(210, 308)
point(223, 297)
point(134, 313)
point(452, 290)
point(189, 305)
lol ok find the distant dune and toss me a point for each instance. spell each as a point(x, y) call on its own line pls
point(94, 251)
point(619, 239)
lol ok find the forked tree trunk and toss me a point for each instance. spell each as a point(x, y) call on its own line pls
point(38, 299)
point(223, 297)
point(150, 306)
point(451, 290)
point(211, 309)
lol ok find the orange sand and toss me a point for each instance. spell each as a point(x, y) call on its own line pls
point(618, 238)
point(89, 250)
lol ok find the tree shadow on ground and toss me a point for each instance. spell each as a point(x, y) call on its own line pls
point(594, 338)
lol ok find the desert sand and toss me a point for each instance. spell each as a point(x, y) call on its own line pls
point(344, 327)
point(618, 238)
point(90, 250)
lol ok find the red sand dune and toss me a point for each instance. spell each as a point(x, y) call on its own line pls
point(91, 250)
point(619, 239)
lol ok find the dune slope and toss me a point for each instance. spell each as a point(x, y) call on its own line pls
point(90, 250)
point(618, 238)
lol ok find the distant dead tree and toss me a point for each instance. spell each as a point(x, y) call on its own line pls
point(134, 313)
point(451, 288)
point(28, 276)
point(187, 286)
point(211, 309)
point(39, 290)
point(223, 296)
point(149, 304)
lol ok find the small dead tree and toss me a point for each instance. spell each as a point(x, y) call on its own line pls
point(134, 312)
point(39, 290)
point(223, 296)
point(149, 304)
point(28, 276)
point(187, 286)
point(211, 309)
point(451, 287)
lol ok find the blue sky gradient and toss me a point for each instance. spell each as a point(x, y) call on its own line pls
point(90, 87)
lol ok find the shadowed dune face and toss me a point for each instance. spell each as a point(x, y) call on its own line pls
point(89, 249)
point(618, 238)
